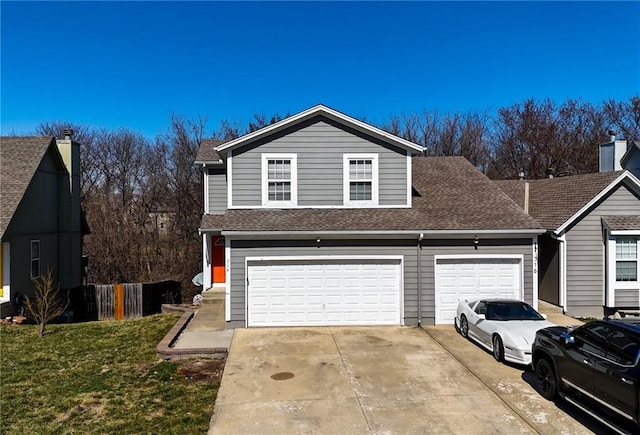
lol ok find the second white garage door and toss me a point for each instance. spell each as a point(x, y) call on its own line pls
point(458, 279)
point(324, 292)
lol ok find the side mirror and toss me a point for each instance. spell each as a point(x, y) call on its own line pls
point(482, 317)
point(568, 338)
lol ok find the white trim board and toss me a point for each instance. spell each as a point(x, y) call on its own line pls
point(315, 111)
point(311, 207)
point(230, 179)
point(626, 175)
point(446, 234)
point(227, 292)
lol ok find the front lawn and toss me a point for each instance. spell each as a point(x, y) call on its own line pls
point(101, 377)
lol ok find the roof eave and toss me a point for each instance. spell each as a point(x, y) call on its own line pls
point(625, 175)
point(209, 162)
point(408, 234)
point(315, 111)
point(634, 147)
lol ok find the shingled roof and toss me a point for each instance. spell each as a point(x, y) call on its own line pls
point(514, 189)
point(552, 201)
point(207, 152)
point(453, 195)
point(19, 160)
point(617, 223)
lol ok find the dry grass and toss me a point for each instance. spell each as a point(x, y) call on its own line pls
point(101, 377)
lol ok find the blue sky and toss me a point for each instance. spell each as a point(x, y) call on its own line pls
point(132, 64)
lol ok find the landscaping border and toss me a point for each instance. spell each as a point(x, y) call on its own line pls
point(165, 348)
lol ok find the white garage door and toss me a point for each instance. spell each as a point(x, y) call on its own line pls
point(323, 292)
point(460, 279)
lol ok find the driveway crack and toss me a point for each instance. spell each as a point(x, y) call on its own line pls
point(489, 387)
point(351, 381)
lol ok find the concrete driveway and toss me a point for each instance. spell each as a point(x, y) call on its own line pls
point(374, 380)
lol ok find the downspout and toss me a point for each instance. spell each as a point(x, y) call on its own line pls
point(563, 272)
point(419, 260)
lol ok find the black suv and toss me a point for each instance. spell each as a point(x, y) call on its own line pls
point(596, 367)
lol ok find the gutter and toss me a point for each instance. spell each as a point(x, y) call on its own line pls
point(405, 233)
point(419, 260)
point(206, 163)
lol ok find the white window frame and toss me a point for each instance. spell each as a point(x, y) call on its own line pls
point(611, 283)
point(346, 181)
point(34, 259)
point(265, 180)
point(616, 260)
point(206, 189)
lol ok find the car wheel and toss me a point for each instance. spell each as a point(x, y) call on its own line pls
point(464, 326)
point(498, 348)
point(546, 379)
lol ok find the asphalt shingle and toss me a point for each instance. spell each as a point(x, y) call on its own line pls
point(19, 160)
point(453, 195)
point(207, 152)
point(617, 223)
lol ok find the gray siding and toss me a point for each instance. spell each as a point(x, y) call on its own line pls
point(217, 183)
point(586, 254)
point(319, 148)
point(627, 298)
point(407, 248)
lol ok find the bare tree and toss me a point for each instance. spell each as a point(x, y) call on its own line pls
point(184, 198)
point(538, 137)
point(624, 117)
point(445, 135)
point(47, 303)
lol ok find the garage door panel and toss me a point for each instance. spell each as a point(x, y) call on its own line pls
point(470, 279)
point(354, 292)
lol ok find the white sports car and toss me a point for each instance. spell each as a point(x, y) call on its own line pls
point(505, 327)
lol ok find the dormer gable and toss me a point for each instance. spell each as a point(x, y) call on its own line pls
point(318, 158)
point(315, 112)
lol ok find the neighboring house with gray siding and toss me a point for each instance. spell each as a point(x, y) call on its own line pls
point(41, 222)
point(321, 219)
point(590, 255)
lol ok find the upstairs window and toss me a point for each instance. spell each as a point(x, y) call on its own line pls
point(361, 180)
point(35, 259)
point(626, 259)
point(279, 183)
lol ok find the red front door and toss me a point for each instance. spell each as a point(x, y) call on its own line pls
point(217, 254)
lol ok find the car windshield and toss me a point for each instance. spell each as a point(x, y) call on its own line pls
point(511, 311)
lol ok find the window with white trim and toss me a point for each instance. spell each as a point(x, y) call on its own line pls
point(360, 179)
point(35, 258)
point(279, 180)
point(626, 259)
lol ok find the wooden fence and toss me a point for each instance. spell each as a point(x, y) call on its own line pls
point(119, 301)
point(123, 301)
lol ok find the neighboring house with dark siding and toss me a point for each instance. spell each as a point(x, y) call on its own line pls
point(590, 255)
point(41, 222)
point(321, 219)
